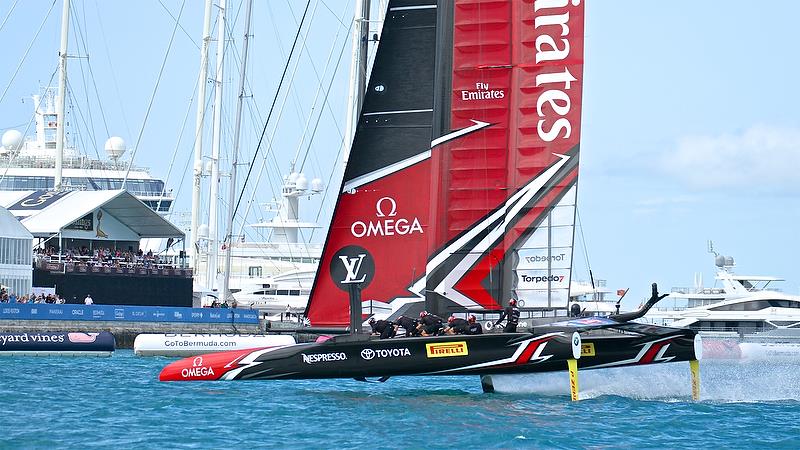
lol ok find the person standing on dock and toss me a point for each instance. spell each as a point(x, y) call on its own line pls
point(88, 300)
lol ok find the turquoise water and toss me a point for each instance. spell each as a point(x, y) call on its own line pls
point(117, 402)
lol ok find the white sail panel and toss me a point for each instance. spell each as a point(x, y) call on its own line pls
point(544, 262)
point(543, 258)
point(535, 298)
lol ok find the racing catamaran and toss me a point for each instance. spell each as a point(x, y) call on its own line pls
point(459, 193)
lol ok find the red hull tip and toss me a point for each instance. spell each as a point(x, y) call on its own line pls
point(208, 367)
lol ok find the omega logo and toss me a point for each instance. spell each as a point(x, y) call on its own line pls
point(386, 225)
point(379, 207)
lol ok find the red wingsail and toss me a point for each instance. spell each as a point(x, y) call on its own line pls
point(462, 178)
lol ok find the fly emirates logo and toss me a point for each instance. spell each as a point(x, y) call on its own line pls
point(551, 22)
point(386, 222)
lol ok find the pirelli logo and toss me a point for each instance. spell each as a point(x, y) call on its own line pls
point(446, 349)
point(587, 349)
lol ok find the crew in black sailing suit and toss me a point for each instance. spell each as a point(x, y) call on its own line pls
point(474, 327)
point(456, 325)
point(409, 324)
point(512, 312)
point(430, 324)
point(384, 328)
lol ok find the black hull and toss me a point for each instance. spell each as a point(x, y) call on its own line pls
point(363, 357)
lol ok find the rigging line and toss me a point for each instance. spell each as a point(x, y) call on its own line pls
point(8, 15)
point(274, 101)
point(152, 97)
point(90, 123)
point(97, 96)
point(342, 138)
point(299, 111)
point(254, 118)
point(311, 60)
point(15, 126)
point(583, 241)
point(289, 91)
point(189, 157)
point(27, 50)
point(325, 4)
point(96, 92)
point(328, 186)
point(105, 40)
point(324, 100)
point(28, 128)
point(84, 40)
point(177, 147)
point(177, 22)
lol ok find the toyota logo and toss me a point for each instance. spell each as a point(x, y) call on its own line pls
point(367, 353)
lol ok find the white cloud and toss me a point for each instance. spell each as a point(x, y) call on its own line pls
point(667, 201)
point(658, 205)
point(760, 158)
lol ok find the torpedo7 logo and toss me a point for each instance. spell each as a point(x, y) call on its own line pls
point(352, 265)
point(530, 279)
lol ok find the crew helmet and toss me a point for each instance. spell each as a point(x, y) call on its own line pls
point(512, 302)
point(471, 319)
point(451, 319)
point(423, 313)
point(371, 320)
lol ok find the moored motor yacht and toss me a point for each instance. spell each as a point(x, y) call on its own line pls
point(743, 317)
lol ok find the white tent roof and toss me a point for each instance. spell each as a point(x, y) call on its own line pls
point(11, 228)
point(126, 208)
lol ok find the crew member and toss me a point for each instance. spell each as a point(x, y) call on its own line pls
point(409, 324)
point(429, 324)
point(385, 328)
point(456, 325)
point(512, 313)
point(473, 326)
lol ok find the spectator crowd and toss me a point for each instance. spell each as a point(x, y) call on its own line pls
point(10, 297)
point(102, 257)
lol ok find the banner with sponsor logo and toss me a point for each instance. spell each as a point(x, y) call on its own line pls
point(85, 223)
point(38, 311)
point(56, 342)
point(36, 201)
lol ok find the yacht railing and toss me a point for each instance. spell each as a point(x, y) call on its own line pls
point(82, 162)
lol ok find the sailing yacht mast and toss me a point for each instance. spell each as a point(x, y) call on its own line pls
point(198, 136)
point(62, 91)
point(211, 275)
point(358, 71)
point(235, 151)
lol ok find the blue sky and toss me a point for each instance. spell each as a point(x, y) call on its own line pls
point(691, 129)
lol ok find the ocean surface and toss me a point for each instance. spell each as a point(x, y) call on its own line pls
point(118, 402)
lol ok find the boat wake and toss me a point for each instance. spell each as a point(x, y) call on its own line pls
point(720, 381)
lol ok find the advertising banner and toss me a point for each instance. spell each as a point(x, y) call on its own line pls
point(39, 311)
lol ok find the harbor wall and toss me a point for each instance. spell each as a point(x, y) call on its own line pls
point(126, 322)
point(125, 332)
